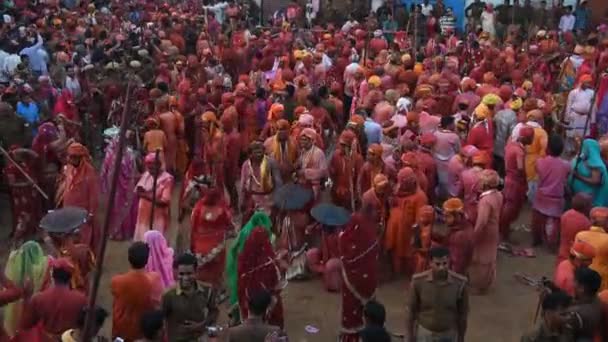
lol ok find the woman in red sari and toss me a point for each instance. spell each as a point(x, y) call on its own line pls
point(211, 220)
point(258, 270)
point(358, 246)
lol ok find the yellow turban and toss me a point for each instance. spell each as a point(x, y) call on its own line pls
point(482, 111)
point(516, 104)
point(527, 85)
point(299, 54)
point(374, 81)
point(491, 100)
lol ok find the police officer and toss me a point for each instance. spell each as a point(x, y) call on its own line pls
point(438, 303)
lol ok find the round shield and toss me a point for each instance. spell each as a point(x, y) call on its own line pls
point(291, 197)
point(64, 220)
point(330, 215)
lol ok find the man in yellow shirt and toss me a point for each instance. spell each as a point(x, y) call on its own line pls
point(534, 151)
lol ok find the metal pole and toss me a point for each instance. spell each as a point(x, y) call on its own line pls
point(90, 316)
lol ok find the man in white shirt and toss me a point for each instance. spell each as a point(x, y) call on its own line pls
point(566, 22)
point(578, 107)
point(426, 8)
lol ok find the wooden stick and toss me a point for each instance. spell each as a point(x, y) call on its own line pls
point(155, 179)
point(24, 173)
point(90, 315)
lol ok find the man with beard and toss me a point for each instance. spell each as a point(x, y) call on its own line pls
point(430, 319)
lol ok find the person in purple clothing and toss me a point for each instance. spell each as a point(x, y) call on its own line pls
point(549, 203)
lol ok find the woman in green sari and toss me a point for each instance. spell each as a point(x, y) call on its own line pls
point(27, 263)
point(259, 219)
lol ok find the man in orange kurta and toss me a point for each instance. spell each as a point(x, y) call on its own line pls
point(408, 200)
point(375, 202)
point(344, 169)
point(134, 293)
point(283, 149)
point(80, 188)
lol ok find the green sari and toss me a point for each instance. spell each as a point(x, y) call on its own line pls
point(259, 219)
point(26, 263)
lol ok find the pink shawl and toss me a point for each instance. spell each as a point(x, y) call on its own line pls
point(160, 259)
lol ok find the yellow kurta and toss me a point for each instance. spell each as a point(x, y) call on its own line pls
point(535, 151)
point(598, 238)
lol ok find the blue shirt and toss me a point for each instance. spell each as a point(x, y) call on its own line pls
point(37, 59)
point(373, 131)
point(30, 113)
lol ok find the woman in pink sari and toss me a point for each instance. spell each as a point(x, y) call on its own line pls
point(161, 257)
point(124, 211)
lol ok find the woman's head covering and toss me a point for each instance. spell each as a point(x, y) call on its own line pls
point(28, 262)
point(161, 257)
point(79, 150)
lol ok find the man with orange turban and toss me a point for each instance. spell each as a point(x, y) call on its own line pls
point(211, 150)
point(79, 187)
point(459, 240)
point(410, 159)
point(597, 237)
point(408, 199)
point(470, 184)
point(274, 115)
point(373, 166)
point(344, 169)
point(260, 177)
point(486, 236)
point(481, 134)
point(283, 149)
point(581, 255)
point(375, 201)
point(311, 165)
point(578, 107)
point(515, 180)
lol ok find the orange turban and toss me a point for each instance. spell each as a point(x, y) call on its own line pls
point(582, 250)
point(276, 111)
point(379, 180)
point(78, 150)
point(299, 110)
point(468, 84)
point(357, 119)
point(585, 78)
point(375, 149)
point(452, 205)
point(209, 117)
point(535, 114)
point(480, 158)
point(597, 213)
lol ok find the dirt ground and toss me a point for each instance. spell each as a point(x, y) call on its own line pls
point(502, 315)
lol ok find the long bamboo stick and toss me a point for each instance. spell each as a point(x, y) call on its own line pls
point(90, 317)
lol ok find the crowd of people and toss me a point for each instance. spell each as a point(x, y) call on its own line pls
point(430, 138)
